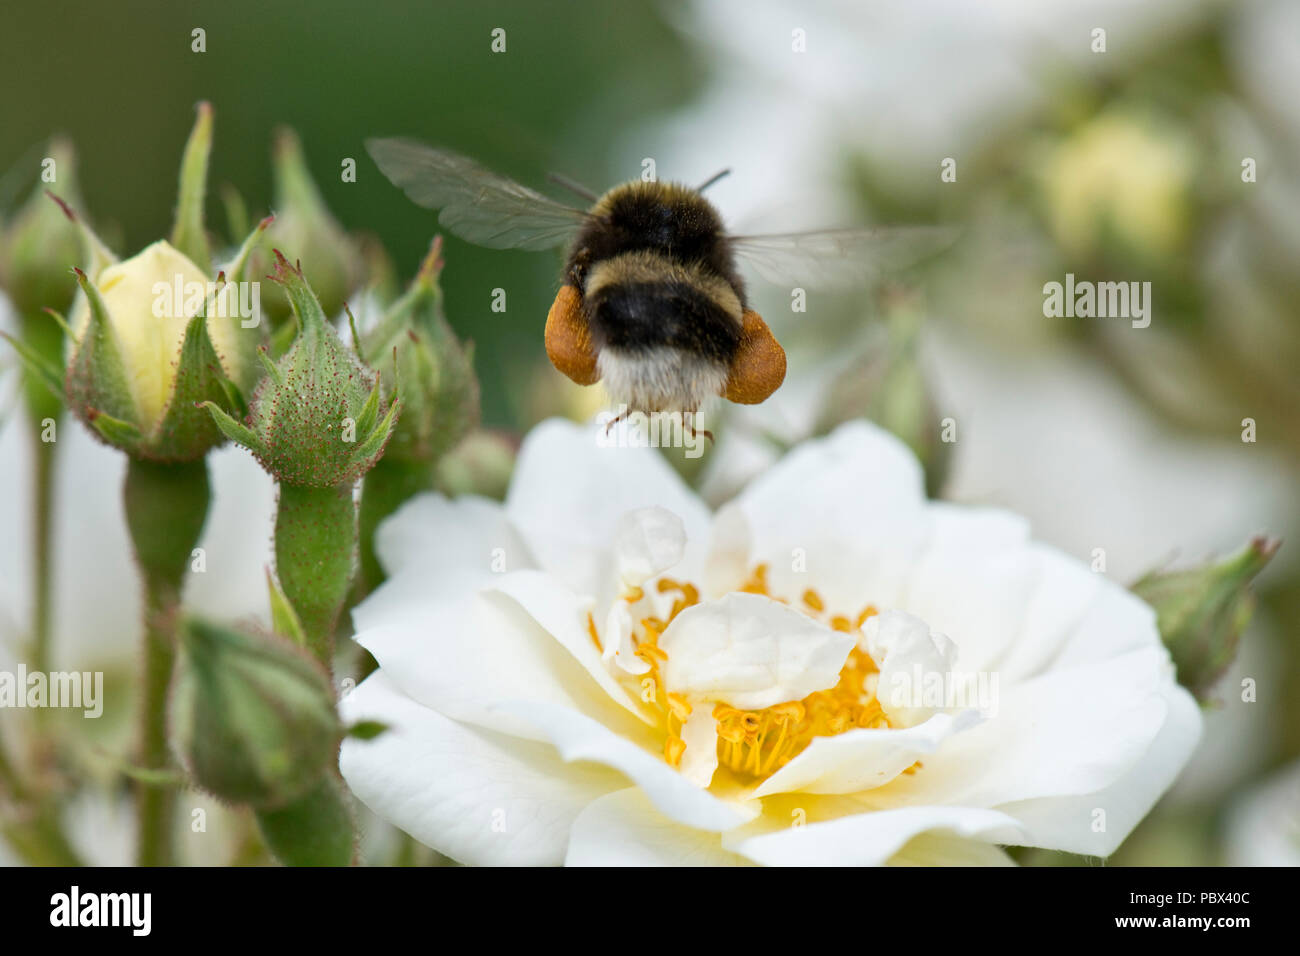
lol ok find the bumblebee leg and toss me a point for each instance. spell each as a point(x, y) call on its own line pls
point(759, 366)
point(568, 340)
point(617, 418)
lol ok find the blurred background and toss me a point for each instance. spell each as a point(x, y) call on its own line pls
point(1124, 164)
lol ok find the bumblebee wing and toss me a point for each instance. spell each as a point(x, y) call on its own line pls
point(478, 205)
point(839, 257)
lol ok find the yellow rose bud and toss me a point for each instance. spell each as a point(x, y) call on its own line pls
point(142, 295)
point(153, 337)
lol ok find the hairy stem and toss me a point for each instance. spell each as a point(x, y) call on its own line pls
point(315, 557)
point(166, 505)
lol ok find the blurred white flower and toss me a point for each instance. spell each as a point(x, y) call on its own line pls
point(1057, 437)
point(554, 695)
point(1264, 825)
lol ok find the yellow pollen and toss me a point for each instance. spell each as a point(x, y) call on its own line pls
point(679, 707)
point(674, 747)
point(756, 743)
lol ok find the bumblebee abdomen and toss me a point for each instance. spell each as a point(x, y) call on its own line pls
point(641, 301)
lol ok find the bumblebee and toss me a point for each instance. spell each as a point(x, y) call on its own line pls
point(651, 303)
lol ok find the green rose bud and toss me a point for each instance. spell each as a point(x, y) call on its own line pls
point(439, 390)
point(1203, 611)
point(480, 465)
point(307, 232)
point(39, 244)
point(315, 420)
point(37, 247)
point(253, 716)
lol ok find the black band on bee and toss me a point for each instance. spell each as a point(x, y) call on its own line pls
point(640, 316)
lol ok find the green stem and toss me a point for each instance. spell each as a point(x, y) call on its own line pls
point(42, 549)
point(166, 505)
point(41, 841)
point(315, 556)
point(44, 337)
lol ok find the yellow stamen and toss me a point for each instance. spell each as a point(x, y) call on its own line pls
point(674, 747)
point(814, 600)
point(756, 743)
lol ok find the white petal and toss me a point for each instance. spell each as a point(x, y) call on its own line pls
point(479, 797)
point(1116, 623)
point(618, 640)
point(848, 508)
point(1064, 591)
point(869, 839)
point(700, 734)
point(941, 849)
point(567, 496)
point(461, 654)
point(910, 657)
point(580, 738)
point(729, 559)
point(624, 829)
point(434, 548)
point(974, 580)
point(1071, 823)
point(564, 615)
point(647, 542)
point(862, 759)
point(751, 652)
point(1071, 731)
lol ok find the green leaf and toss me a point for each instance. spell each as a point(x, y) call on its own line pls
point(98, 256)
point(241, 434)
point(369, 413)
point(188, 233)
point(36, 364)
point(153, 777)
point(97, 379)
point(235, 268)
point(184, 431)
point(1202, 612)
point(366, 729)
point(115, 431)
point(374, 443)
point(272, 369)
point(314, 830)
point(284, 619)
